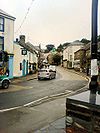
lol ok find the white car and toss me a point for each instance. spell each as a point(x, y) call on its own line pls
point(46, 73)
point(53, 68)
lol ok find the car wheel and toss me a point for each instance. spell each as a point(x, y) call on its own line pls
point(5, 84)
point(39, 78)
point(50, 77)
point(54, 76)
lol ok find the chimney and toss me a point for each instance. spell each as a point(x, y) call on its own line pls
point(16, 39)
point(22, 39)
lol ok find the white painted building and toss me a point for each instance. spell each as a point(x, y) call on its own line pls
point(33, 56)
point(25, 59)
point(6, 31)
point(7, 37)
point(18, 60)
point(68, 53)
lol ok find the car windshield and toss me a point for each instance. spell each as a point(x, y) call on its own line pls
point(43, 70)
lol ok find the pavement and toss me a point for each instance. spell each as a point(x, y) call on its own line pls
point(24, 78)
point(57, 126)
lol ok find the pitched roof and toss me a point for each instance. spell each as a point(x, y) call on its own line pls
point(77, 42)
point(32, 46)
point(87, 47)
point(4, 14)
point(36, 48)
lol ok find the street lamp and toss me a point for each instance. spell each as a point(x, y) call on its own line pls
point(94, 67)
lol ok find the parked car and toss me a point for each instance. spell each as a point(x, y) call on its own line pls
point(46, 73)
point(53, 68)
point(4, 82)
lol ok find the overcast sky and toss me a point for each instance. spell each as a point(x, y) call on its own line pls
point(51, 21)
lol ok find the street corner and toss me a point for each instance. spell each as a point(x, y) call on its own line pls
point(12, 88)
point(15, 83)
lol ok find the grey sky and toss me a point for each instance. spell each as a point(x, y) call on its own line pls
point(51, 21)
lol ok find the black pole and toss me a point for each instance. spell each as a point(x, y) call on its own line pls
point(94, 71)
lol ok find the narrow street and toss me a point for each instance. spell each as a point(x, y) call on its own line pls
point(32, 118)
point(38, 114)
point(66, 82)
point(51, 40)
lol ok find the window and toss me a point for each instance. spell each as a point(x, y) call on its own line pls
point(20, 66)
point(1, 24)
point(70, 57)
point(1, 43)
point(29, 56)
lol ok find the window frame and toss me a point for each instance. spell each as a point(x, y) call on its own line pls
point(2, 24)
point(2, 41)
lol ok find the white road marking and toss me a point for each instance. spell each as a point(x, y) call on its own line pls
point(9, 109)
point(44, 98)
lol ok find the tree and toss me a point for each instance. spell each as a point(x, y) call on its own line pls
point(50, 47)
point(85, 41)
point(60, 48)
point(46, 51)
point(57, 59)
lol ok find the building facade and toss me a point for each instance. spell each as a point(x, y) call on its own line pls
point(7, 37)
point(25, 58)
point(68, 53)
point(80, 60)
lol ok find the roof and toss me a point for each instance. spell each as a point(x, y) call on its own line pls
point(81, 49)
point(36, 48)
point(87, 47)
point(77, 42)
point(30, 47)
point(4, 14)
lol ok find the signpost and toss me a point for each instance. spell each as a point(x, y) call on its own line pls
point(94, 67)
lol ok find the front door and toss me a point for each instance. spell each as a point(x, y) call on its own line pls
point(10, 67)
point(27, 67)
point(24, 68)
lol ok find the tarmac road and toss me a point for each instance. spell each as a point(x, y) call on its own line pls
point(32, 90)
point(46, 107)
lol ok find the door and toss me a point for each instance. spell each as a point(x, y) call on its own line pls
point(24, 68)
point(10, 64)
point(27, 67)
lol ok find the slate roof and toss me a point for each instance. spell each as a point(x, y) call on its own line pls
point(77, 42)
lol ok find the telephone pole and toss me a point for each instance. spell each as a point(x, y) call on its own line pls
point(94, 67)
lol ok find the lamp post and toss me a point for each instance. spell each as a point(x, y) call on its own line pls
point(94, 68)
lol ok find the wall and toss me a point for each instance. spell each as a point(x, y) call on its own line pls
point(69, 51)
point(17, 61)
point(24, 59)
point(8, 35)
point(65, 54)
point(18, 58)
